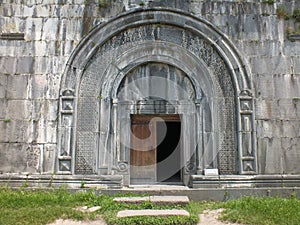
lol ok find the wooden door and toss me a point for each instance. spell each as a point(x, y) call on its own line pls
point(143, 151)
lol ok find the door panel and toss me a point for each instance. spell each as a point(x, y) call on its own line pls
point(143, 152)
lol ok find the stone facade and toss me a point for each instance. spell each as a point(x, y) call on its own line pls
point(38, 39)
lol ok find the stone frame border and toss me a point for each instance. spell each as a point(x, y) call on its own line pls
point(239, 71)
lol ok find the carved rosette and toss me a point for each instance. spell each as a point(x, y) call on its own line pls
point(190, 167)
point(122, 167)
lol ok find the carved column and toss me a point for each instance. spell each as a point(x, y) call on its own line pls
point(65, 162)
point(247, 150)
point(115, 150)
point(199, 131)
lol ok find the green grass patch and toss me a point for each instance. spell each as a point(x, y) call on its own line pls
point(43, 207)
point(263, 211)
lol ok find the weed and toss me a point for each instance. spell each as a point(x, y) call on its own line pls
point(287, 16)
point(26, 182)
point(281, 12)
point(288, 31)
point(103, 3)
point(269, 1)
point(82, 185)
point(7, 120)
point(294, 195)
point(142, 3)
point(226, 196)
point(296, 15)
point(51, 181)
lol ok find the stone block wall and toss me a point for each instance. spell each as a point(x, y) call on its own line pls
point(37, 38)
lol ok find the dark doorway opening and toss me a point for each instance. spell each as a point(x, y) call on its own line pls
point(168, 157)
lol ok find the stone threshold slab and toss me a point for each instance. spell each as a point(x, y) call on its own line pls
point(151, 212)
point(154, 199)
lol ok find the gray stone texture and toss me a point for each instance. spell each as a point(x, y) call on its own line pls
point(152, 212)
point(31, 72)
point(169, 200)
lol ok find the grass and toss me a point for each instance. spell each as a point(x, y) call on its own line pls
point(263, 211)
point(43, 207)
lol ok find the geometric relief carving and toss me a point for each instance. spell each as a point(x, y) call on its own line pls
point(68, 93)
point(245, 94)
point(66, 135)
point(85, 162)
point(67, 105)
point(87, 133)
point(227, 147)
point(66, 131)
point(88, 113)
point(248, 166)
point(227, 155)
point(246, 105)
point(64, 165)
point(246, 123)
point(33, 155)
point(247, 146)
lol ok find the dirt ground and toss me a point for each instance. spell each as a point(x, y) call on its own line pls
point(209, 217)
point(98, 221)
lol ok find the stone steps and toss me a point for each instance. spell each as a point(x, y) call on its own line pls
point(151, 212)
point(161, 200)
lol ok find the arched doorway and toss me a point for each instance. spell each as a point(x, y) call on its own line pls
point(159, 101)
point(156, 62)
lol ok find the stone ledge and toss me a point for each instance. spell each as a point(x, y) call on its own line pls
point(71, 181)
point(150, 212)
point(154, 199)
point(246, 181)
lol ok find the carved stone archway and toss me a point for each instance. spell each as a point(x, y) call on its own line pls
point(89, 139)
